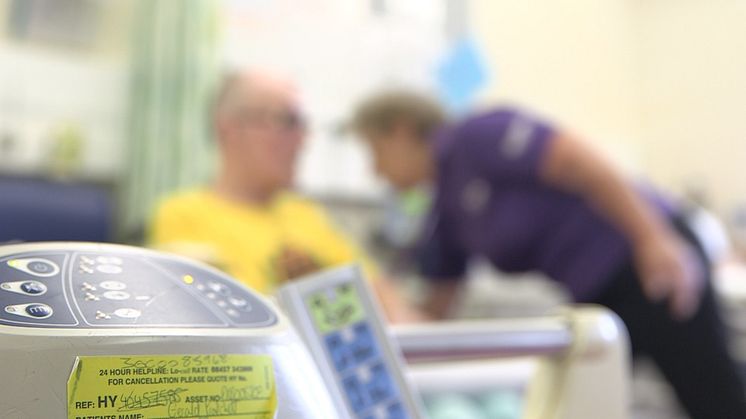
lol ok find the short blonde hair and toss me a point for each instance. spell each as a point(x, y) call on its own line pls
point(381, 112)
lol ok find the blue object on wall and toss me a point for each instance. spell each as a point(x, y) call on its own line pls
point(461, 74)
point(35, 210)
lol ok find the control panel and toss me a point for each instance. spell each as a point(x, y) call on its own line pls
point(341, 325)
point(121, 286)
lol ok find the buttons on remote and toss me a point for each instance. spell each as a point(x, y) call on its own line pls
point(109, 260)
point(33, 310)
point(31, 288)
point(214, 290)
point(127, 313)
point(40, 311)
point(117, 295)
point(239, 303)
point(85, 287)
point(109, 269)
point(219, 288)
point(113, 285)
point(35, 266)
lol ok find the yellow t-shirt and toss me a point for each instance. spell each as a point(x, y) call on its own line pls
point(246, 240)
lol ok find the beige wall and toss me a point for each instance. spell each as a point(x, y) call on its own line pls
point(573, 60)
point(694, 94)
point(660, 84)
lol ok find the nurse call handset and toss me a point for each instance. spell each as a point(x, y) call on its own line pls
point(342, 326)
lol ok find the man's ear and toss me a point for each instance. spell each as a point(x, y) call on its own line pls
point(223, 130)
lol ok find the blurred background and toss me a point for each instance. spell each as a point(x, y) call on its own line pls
point(113, 93)
point(103, 104)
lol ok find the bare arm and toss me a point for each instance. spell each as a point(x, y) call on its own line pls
point(395, 306)
point(661, 257)
point(441, 298)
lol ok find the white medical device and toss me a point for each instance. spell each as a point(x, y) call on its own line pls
point(150, 318)
point(342, 327)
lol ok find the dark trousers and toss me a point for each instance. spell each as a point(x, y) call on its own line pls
point(692, 355)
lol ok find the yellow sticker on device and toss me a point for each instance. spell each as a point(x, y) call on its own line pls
point(172, 386)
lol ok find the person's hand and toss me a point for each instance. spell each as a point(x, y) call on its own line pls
point(293, 262)
point(670, 270)
point(398, 308)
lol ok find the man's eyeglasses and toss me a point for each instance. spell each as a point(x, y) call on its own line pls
point(287, 120)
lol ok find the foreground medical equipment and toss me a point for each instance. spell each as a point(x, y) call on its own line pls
point(164, 334)
point(582, 370)
point(341, 324)
point(114, 332)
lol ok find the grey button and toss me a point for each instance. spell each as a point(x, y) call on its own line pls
point(113, 285)
point(117, 295)
point(127, 313)
point(240, 303)
point(109, 260)
point(35, 266)
point(109, 269)
point(41, 268)
point(219, 288)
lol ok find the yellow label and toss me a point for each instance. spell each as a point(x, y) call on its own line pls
point(172, 386)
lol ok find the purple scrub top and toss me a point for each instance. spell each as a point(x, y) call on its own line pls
point(490, 202)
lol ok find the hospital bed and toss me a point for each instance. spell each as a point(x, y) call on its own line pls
point(571, 365)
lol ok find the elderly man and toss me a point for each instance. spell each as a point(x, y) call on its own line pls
point(248, 222)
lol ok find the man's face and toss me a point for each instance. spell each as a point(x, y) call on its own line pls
point(265, 136)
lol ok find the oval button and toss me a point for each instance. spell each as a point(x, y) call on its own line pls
point(116, 295)
point(127, 313)
point(109, 269)
point(35, 266)
point(40, 311)
point(33, 288)
point(109, 260)
point(113, 285)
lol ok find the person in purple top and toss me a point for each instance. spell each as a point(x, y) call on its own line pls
point(528, 196)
